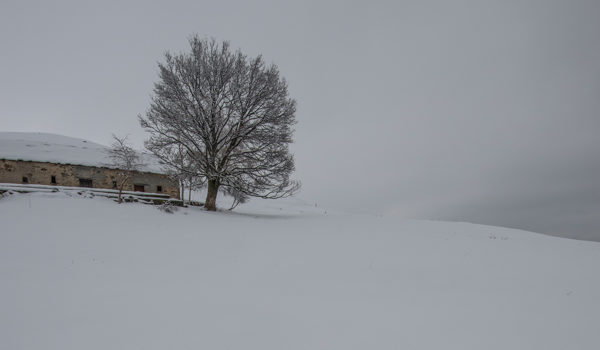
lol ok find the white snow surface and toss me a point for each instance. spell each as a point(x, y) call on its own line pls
point(45, 147)
point(87, 273)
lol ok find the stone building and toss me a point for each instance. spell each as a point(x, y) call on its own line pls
point(48, 159)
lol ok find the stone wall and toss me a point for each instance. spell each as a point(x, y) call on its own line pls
point(17, 171)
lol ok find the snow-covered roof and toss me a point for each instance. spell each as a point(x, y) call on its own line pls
point(52, 148)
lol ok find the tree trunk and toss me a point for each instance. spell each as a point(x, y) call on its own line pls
point(121, 186)
point(211, 195)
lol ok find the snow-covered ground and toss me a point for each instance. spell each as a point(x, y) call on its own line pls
point(83, 273)
point(45, 147)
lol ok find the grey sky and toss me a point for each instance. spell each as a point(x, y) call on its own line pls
point(483, 111)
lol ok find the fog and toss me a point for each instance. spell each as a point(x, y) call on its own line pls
point(480, 111)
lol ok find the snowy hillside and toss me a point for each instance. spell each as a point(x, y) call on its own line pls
point(45, 147)
point(83, 273)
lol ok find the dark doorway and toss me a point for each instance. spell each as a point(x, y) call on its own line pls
point(85, 183)
point(138, 188)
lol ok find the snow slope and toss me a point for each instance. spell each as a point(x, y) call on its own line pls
point(45, 147)
point(82, 273)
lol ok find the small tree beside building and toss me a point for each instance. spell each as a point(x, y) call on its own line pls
point(126, 160)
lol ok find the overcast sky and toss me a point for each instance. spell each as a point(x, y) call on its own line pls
point(482, 111)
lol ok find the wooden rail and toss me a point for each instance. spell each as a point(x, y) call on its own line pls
point(128, 196)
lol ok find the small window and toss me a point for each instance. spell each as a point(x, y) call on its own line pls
point(138, 188)
point(53, 179)
point(25, 179)
point(159, 188)
point(114, 184)
point(85, 183)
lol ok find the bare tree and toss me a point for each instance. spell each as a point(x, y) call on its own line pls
point(239, 197)
point(125, 159)
point(193, 183)
point(181, 169)
point(231, 114)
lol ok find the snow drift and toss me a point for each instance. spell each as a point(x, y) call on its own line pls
point(82, 273)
